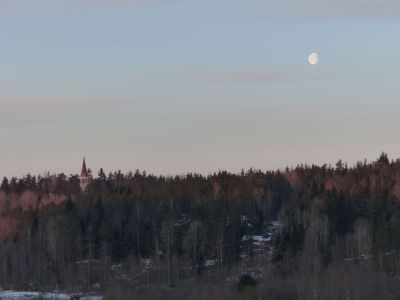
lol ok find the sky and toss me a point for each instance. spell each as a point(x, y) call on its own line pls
point(176, 86)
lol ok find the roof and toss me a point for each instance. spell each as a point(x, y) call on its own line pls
point(83, 171)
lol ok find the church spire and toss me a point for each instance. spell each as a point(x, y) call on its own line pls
point(83, 171)
point(84, 177)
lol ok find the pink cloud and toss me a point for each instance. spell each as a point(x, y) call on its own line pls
point(60, 105)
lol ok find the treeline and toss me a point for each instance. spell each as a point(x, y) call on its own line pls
point(156, 231)
point(178, 222)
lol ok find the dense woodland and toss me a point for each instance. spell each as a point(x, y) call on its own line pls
point(137, 236)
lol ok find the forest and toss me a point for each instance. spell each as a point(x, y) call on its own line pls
point(306, 232)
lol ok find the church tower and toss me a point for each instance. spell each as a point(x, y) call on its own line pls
point(84, 177)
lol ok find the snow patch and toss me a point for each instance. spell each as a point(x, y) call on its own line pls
point(22, 295)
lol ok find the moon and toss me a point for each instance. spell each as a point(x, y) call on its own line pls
point(313, 58)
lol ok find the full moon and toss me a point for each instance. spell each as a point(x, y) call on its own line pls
point(313, 58)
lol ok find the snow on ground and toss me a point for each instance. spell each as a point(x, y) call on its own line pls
point(28, 295)
point(256, 238)
point(211, 262)
point(276, 223)
point(13, 295)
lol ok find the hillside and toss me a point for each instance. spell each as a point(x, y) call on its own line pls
point(309, 232)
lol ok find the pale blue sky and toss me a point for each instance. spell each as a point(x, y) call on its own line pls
point(175, 86)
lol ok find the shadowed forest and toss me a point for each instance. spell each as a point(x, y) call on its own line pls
point(309, 232)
